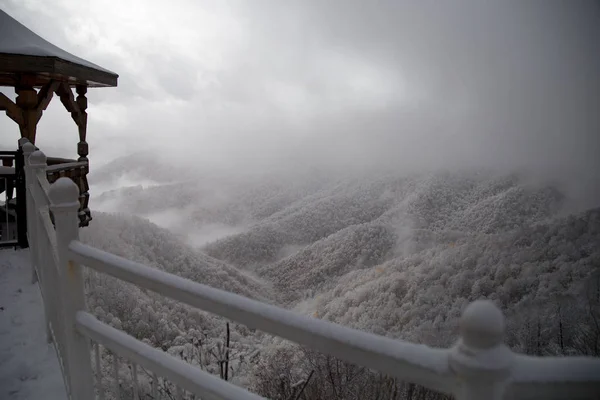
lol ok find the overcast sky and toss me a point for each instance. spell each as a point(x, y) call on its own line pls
point(414, 84)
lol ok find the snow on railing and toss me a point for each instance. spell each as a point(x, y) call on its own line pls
point(44, 258)
point(479, 366)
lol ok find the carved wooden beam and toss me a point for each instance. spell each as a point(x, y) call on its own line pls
point(66, 97)
point(82, 146)
point(45, 96)
point(12, 110)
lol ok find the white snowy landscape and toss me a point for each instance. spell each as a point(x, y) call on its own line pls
point(379, 166)
point(395, 255)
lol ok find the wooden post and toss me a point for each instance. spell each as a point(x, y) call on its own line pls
point(64, 196)
point(83, 151)
point(77, 108)
point(480, 359)
point(82, 146)
point(27, 101)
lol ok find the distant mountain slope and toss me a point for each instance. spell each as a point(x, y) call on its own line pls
point(140, 240)
point(303, 236)
point(535, 267)
point(392, 254)
point(545, 277)
point(144, 165)
point(435, 211)
point(308, 239)
point(305, 221)
point(433, 203)
point(194, 208)
point(183, 331)
point(317, 266)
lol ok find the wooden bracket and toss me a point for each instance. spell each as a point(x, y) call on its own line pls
point(45, 96)
point(66, 97)
point(30, 105)
point(13, 111)
point(77, 109)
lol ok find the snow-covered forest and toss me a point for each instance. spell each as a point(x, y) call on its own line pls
point(376, 164)
point(396, 254)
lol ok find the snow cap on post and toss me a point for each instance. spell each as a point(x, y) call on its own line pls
point(28, 148)
point(481, 361)
point(64, 194)
point(37, 158)
point(22, 141)
point(482, 325)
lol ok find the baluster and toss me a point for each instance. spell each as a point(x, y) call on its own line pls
point(83, 151)
point(33, 163)
point(82, 146)
point(21, 193)
point(135, 381)
point(6, 234)
point(98, 371)
point(64, 196)
point(28, 150)
point(40, 263)
point(116, 376)
point(480, 360)
point(154, 386)
point(6, 230)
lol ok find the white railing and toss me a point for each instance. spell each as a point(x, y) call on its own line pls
point(479, 366)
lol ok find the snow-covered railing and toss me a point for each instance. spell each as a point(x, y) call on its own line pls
point(41, 236)
point(479, 366)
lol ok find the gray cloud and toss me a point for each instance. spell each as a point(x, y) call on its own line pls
point(345, 84)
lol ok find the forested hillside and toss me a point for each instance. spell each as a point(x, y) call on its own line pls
point(181, 330)
point(376, 164)
point(396, 255)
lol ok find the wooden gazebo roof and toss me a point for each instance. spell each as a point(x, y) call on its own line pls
point(37, 70)
point(24, 52)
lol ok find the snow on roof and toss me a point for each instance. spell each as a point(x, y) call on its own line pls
point(17, 40)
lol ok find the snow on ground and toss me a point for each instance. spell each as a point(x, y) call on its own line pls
point(28, 365)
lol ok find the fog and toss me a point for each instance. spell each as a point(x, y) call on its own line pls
point(343, 85)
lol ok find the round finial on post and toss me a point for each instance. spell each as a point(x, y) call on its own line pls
point(27, 147)
point(22, 141)
point(37, 158)
point(482, 325)
point(481, 361)
point(64, 193)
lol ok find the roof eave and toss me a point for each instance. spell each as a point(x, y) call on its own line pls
point(52, 68)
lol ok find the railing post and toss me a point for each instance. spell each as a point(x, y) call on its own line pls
point(480, 359)
point(64, 195)
point(35, 160)
point(28, 150)
point(21, 200)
